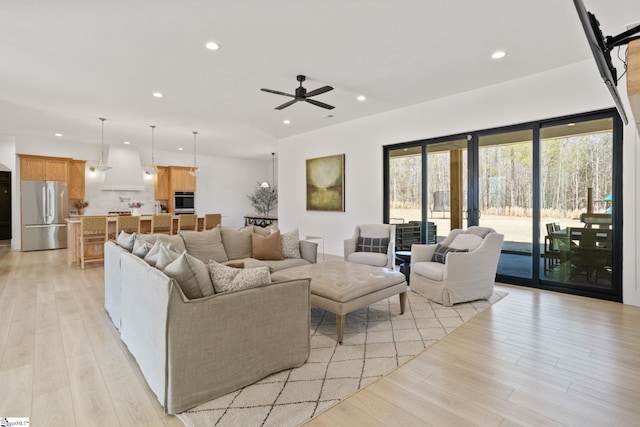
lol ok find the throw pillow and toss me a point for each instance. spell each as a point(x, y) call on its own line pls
point(373, 244)
point(166, 256)
point(140, 248)
point(234, 264)
point(152, 256)
point(205, 245)
point(466, 241)
point(266, 247)
point(440, 255)
point(291, 244)
point(192, 276)
point(226, 279)
point(126, 240)
point(261, 230)
point(237, 243)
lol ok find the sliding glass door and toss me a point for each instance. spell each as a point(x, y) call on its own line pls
point(553, 188)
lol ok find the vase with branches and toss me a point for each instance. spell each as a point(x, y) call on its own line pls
point(264, 199)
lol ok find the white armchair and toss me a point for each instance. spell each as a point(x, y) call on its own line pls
point(469, 269)
point(366, 246)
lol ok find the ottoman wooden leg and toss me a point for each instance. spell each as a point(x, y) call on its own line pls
point(403, 301)
point(340, 318)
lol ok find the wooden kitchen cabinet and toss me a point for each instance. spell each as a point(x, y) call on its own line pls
point(161, 183)
point(38, 168)
point(76, 179)
point(181, 179)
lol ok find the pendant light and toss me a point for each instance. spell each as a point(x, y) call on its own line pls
point(194, 170)
point(152, 169)
point(101, 166)
point(265, 184)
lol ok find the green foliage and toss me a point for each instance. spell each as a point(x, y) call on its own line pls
point(264, 199)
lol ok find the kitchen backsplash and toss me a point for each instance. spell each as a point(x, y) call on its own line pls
point(101, 202)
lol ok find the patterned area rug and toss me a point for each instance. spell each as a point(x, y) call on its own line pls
point(377, 340)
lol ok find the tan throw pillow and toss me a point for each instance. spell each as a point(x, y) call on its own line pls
point(192, 276)
point(266, 247)
point(166, 256)
point(237, 243)
point(205, 245)
point(152, 256)
point(227, 279)
point(261, 230)
point(126, 240)
point(291, 244)
point(235, 264)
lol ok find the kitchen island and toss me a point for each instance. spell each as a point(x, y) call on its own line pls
point(73, 228)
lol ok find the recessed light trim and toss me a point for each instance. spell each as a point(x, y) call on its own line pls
point(126, 142)
point(57, 134)
point(361, 98)
point(180, 148)
point(498, 54)
point(212, 46)
point(286, 122)
point(158, 94)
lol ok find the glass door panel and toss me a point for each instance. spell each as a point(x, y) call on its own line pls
point(505, 187)
point(576, 186)
point(446, 188)
point(405, 195)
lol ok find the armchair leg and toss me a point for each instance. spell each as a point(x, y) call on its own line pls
point(403, 301)
point(340, 318)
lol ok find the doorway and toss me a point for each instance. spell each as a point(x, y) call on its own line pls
point(553, 188)
point(5, 205)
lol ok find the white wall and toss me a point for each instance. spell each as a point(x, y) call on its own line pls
point(568, 90)
point(222, 185)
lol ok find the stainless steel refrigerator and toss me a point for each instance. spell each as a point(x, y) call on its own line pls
point(44, 210)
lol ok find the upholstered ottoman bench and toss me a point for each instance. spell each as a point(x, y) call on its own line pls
point(341, 287)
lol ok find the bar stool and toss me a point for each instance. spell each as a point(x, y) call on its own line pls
point(187, 222)
point(162, 223)
point(128, 224)
point(93, 232)
point(211, 221)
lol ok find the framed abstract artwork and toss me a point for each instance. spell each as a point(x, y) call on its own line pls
point(325, 183)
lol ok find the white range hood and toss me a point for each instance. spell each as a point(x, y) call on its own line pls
point(126, 173)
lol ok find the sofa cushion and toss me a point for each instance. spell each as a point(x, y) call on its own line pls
point(126, 240)
point(285, 263)
point(140, 248)
point(370, 258)
point(237, 243)
point(480, 231)
point(430, 270)
point(266, 247)
point(377, 245)
point(440, 255)
point(192, 276)
point(226, 279)
point(374, 230)
point(205, 245)
point(290, 242)
point(166, 255)
point(176, 240)
point(466, 241)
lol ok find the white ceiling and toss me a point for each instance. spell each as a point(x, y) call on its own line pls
point(64, 63)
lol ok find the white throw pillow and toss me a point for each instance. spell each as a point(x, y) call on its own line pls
point(466, 241)
point(226, 279)
point(126, 240)
point(192, 276)
point(290, 242)
point(141, 248)
point(166, 256)
point(152, 256)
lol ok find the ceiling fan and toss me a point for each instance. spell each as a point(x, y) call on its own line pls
point(302, 95)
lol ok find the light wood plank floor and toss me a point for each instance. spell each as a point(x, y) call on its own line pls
point(535, 358)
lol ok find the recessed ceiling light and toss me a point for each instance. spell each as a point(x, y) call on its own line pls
point(498, 54)
point(180, 148)
point(361, 98)
point(212, 46)
point(158, 94)
point(286, 122)
point(57, 134)
point(126, 142)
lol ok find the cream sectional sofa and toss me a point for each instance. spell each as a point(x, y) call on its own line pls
point(194, 350)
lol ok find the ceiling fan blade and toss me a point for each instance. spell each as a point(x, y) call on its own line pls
point(286, 104)
point(320, 104)
point(277, 92)
point(319, 91)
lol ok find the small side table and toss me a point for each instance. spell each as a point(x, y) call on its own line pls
point(405, 263)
